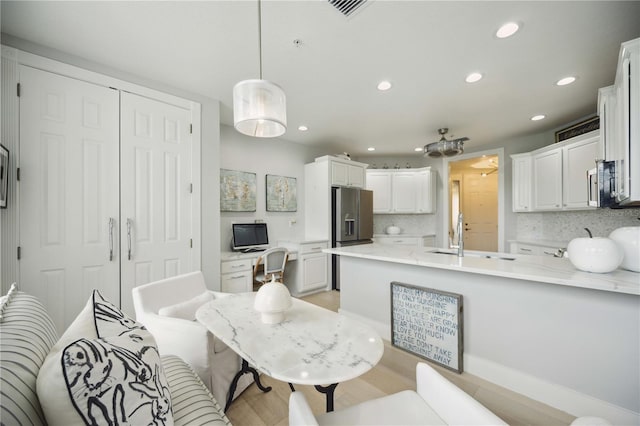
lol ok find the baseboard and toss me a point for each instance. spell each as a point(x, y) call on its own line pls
point(554, 395)
point(557, 396)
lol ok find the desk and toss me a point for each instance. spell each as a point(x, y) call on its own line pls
point(236, 270)
point(312, 346)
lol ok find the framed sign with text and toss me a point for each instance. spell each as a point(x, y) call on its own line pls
point(427, 323)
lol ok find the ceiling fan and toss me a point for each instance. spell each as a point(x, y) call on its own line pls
point(444, 147)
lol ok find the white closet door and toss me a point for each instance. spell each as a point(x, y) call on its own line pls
point(68, 191)
point(156, 204)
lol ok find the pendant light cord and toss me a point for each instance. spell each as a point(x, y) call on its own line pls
point(260, 34)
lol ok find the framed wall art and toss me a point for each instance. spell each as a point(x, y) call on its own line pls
point(281, 193)
point(427, 323)
point(237, 191)
point(4, 176)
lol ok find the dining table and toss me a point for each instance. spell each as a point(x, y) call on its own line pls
point(311, 346)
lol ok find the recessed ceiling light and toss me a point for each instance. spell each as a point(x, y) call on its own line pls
point(473, 77)
point(303, 128)
point(418, 149)
point(566, 80)
point(507, 30)
point(384, 85)
point(538, 117)
point(371, 148)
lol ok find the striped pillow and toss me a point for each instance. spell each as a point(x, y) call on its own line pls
point(27, 334)
point(192, 402)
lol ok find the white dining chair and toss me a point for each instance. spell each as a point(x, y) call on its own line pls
point(273, 262)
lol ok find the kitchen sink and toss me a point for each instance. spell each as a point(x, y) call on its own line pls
point(467, 253)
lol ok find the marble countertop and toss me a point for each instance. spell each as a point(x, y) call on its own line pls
point(546, 269)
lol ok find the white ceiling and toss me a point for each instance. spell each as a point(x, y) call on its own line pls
point(425, 48)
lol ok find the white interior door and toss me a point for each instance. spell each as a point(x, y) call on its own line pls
point(480, 210)
point(68, 192)
point(156, 203)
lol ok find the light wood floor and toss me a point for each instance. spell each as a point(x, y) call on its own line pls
point(395, 372)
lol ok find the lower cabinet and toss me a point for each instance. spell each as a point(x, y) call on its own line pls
point(537, 250)
point(310, 272)
point(236, 276)
point(415, 241)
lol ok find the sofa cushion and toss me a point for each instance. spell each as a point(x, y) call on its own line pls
point(27, 333)
point(187, 309)
point(192, 402)
point(110, 373)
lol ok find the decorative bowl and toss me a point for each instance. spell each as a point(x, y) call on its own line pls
point(392, 230)
point(628, 238)
point(272, 300)
point(596, 254)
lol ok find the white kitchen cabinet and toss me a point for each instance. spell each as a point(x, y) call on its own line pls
point(406, 191)
point(236, 276)
point(403, 192)
point(426, 187)
point(517, 247)
point(310, 272)
point(401, 240)
point(577, 158)
point(380, 183)
point(547, 180)
point(558, 175)
point(346, 174)
point(319, 177)
point(619, 110)
point(521, 186)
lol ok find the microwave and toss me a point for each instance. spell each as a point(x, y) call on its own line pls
point(604, 188)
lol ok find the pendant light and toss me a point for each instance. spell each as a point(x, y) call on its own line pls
point(259, 106)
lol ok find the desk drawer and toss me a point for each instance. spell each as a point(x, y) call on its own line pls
point(235, 266)
point(317, 247)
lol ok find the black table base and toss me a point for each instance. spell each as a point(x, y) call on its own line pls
point(234, 383)
point(327, 390)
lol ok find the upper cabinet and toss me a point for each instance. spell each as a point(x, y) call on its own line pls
point(404, 191)
point(619, 110)
point(555, 177)
point(521, 182)
point(347, 173)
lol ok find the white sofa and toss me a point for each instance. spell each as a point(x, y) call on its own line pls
point(27, 336)
point(437, 401)
point(180, 296)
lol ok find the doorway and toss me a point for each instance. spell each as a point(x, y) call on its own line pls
point(473, 185)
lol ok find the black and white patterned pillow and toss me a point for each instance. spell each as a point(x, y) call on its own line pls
point(114, 378)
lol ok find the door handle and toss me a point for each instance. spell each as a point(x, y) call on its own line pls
point(111, 221)
point(129, 225)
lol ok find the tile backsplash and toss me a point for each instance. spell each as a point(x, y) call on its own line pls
point(565, 226)
point(417, 224)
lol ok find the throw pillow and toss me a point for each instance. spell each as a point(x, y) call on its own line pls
point(187, 309)
point(110, 375)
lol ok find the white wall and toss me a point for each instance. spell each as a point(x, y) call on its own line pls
point(265, 156)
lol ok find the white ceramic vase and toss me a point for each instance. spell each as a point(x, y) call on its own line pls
point(272, 300)
point(596, 254)
point(628, 238)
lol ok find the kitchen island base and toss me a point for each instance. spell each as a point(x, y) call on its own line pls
point(572, 348)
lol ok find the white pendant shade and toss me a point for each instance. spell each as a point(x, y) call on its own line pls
point(259, 108)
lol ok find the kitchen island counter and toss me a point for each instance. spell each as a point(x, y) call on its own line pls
point(535, 324)
point(543, 269)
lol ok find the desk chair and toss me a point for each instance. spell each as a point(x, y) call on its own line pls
point(274, 261)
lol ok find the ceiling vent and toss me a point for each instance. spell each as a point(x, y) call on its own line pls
point(347, 7)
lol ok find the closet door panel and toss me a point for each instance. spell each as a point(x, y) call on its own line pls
point(156, 149)
point(68, 191)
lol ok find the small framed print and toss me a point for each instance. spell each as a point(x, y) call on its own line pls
point(281, 193)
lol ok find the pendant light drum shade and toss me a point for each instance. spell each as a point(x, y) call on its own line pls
point(259, 108)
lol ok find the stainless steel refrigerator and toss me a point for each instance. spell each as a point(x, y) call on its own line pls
point(351, 222)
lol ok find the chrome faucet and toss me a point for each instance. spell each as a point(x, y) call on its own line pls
point(460, 236)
